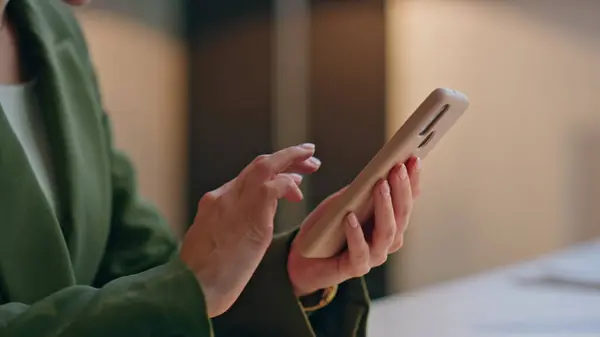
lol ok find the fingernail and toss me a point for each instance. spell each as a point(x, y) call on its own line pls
point(418, 164)
point(315, 161)
point(308, 146)
point(352, 220)
point(296, 177)
point(385, 188)
point(403, 173)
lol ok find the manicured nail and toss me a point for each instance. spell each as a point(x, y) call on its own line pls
point(385, 188)
point(296, 177)
point(308, 146)
point(315, 161)
point(403, 173)
point(418, 164)
point(352, 220)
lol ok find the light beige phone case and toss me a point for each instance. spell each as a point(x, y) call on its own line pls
point(417, 136)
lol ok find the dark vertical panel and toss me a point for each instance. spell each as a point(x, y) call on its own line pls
point(231, 92)
point(230, 108)
point(347, 91)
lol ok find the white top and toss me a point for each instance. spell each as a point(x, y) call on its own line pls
point(21, 108)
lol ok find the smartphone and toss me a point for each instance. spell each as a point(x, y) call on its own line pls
point(416, 137)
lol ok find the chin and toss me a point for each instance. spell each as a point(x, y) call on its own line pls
point(77, 2)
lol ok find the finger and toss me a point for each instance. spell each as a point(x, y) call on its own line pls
point(284, 185)
point(281, 160)
point(308, 166)
point(385, 223)
point(265, 167)
point(398, 243)
point(414, 173)
point(297, 178)
point(402, 201)
point(293, 196)
point(356, 260)
point(402, 195)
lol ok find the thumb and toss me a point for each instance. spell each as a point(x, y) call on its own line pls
point(318, 212)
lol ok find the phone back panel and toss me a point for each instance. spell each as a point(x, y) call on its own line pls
point(417, 136)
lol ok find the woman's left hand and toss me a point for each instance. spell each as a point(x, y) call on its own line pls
point(393, 200)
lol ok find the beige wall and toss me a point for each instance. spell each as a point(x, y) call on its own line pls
point(498, 188)
point(143, 79)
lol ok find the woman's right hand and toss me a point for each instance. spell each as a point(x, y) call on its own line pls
point(234, 224)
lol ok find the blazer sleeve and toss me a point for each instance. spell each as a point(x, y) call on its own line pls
point(142, 287)
point(268, 307)
point(162, 301)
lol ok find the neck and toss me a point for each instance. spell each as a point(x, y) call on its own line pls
point(10, 67)
point(2, 8)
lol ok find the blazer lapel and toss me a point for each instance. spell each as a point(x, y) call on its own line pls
point(71, 242)
point(74, 117)
point(48, 51)
point(30, 235)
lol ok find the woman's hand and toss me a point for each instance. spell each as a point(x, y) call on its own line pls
point(234, 224)
point(368, 246)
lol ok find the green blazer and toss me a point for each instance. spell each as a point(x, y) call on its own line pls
point(105, 264)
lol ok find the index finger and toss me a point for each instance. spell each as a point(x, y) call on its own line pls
point(266, 167)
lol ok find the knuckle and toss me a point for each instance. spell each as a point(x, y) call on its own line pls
point(361, 269)
point(260, 158)
point(362, 255)
point(379, 260)
point(208, 198)
point(262, 163)
point(290, 183)
point(389, 232)
point(397, 245)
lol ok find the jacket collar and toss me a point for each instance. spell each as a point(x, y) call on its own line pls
point(48, 41)
point(48, 46)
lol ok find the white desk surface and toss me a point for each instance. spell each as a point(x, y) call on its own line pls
point(557, 296)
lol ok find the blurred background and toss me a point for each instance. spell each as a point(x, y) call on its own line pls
point(205, 86)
